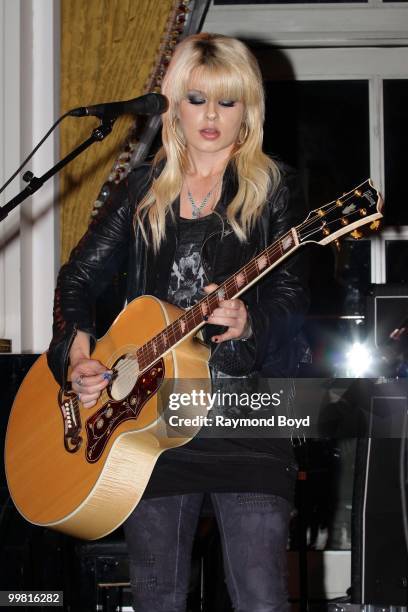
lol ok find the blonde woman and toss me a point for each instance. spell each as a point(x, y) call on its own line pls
point(207, 204)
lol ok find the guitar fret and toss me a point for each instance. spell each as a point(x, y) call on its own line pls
point(261, 262)
point(182, 325)
point(192, 321)
point(234, 286)
point(158, 344)
point(164, 339)
point(240, 280)
point(146, 352)
point(274, 254)
point(251, 271)
point(213, 301)
point(196, 311)
point(221, 293)
point(175, 330)
point(226, 290)
point(140, 357)
point(286, 242)
point(170, 335)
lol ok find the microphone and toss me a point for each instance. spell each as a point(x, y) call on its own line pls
point(149, 104)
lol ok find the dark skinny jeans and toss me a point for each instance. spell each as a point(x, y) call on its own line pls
point(253, 529)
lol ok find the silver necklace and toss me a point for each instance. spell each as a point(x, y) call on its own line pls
point(197, 208)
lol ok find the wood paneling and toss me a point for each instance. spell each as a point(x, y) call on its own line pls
point(108, 48)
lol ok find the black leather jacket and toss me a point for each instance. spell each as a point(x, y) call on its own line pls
point(276, 304)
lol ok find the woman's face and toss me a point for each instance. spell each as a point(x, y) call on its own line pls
point(209, 125)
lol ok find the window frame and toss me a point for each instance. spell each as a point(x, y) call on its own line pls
point(332, 58)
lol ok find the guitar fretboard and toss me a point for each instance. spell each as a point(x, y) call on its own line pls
point(198, 314)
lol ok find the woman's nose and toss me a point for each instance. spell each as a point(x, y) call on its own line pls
point(211, 110)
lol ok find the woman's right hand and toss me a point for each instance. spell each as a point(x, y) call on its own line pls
point(88, 376)
point(88, 379)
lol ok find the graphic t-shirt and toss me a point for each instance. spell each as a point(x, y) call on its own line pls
point(187, 276)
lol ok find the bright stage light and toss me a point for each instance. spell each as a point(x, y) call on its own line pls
point(358, 360)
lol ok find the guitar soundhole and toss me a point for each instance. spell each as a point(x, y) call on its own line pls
point(126, 372)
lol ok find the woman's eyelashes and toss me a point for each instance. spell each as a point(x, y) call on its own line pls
point(195, 99)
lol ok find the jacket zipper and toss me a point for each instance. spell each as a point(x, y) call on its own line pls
point(223, 234)
point(66, 353)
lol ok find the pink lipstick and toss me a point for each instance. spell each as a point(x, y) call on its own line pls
point(210, 133)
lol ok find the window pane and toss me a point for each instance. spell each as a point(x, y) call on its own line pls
point(232, 2)
point(395, 137)
point(321, 128)
point(396, 261)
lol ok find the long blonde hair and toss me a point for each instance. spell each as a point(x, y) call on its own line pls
point(229, 71)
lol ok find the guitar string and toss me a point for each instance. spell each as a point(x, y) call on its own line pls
point(195, 315)
point(267, 252)
point(127, 373)
point(190, 316)
point(127, 369)
point(145, 351)
point(170, 330)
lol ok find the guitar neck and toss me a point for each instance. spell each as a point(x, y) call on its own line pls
point(196, 316)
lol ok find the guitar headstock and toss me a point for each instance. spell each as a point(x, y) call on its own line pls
point(354, 209)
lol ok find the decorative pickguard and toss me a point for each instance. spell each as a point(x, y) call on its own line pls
point(103, 423)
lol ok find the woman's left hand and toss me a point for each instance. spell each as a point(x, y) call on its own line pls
point(233, 314)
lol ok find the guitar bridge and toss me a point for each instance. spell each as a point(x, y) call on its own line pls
point(69, 406)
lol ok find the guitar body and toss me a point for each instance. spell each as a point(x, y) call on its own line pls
point(82, 471)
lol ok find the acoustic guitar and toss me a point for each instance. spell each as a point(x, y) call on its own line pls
point(82, 471)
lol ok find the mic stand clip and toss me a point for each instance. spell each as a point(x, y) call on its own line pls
point(35, 183)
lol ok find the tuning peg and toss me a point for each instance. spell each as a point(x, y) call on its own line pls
point(375, 225)
point(363, 212)
point(344, 221)
point(337, 244)
point(358, 193)
point(325, 231)
point(356, 234)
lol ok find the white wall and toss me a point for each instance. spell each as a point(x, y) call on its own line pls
point(301, 25)
point(29, 85)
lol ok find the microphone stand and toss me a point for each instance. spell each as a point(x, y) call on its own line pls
point(35, 183)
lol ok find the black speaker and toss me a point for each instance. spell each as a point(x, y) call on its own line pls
point(379, 519)
point(387, 310)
